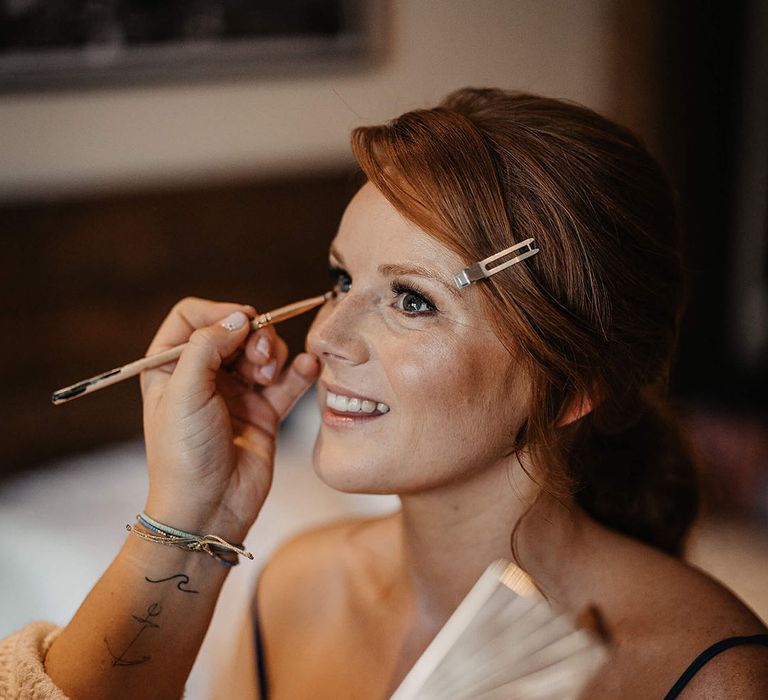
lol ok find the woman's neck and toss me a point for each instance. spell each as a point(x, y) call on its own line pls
point(450, 535)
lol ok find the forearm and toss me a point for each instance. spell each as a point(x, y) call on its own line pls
point(210, 440)
point(139, 630)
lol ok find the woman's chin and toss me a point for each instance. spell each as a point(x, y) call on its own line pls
point(345, 478)
point(350, 473)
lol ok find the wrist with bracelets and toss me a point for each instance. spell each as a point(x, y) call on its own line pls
point(153, 531)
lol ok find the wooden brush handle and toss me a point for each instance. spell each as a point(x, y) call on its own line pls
point(100, 381)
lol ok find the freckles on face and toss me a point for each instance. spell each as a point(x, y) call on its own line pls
point(452, 413)
point(440, 370)
point(439, 367)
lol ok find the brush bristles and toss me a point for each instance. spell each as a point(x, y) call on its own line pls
point(501, 644)
point(514, 578)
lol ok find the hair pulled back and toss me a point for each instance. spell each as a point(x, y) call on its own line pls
point(595, 314)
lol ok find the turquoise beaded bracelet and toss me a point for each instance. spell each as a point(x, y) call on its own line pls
point(216, 547)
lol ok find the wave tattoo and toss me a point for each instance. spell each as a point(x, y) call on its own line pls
point(183, 582)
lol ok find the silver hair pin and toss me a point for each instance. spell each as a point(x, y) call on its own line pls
point(496, 263)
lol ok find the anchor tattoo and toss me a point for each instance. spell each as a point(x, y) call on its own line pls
point(152, 611)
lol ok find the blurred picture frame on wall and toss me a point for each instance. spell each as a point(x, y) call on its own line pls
point(50, 44)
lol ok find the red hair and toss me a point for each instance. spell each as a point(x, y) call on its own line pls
point(595, 314)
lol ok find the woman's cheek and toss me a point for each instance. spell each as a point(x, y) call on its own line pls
point(427, 372)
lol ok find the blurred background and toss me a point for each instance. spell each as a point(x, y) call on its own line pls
point(202, 149)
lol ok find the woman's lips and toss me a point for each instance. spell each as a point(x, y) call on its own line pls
point(345, 409)
point(344, 403)
point(347, 420)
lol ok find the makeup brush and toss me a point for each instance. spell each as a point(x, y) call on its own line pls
point(504, 642)
point(133, 368)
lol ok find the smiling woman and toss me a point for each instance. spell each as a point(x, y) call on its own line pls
point(594, 318)
point(526, 412)
point(521, 415)
point(401, 333)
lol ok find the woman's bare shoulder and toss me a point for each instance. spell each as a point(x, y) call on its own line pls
point(707, 612)
point(696, 602)
point(652, 666)
point(739, 672)
point(653, 592)
point(671, 613)
point(311, 574)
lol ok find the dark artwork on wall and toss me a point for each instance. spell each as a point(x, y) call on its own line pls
point(52, 43)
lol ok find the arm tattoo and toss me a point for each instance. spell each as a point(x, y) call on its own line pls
point(152, 611)
point(184, 581)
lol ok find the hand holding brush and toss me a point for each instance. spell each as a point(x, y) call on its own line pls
point(210, 438)
point(101, 381)
point(210, 445)
point(209, 435)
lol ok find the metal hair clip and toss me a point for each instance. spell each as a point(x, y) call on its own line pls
point(496, 263)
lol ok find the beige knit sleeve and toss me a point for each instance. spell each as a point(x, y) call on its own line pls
point(22, 673)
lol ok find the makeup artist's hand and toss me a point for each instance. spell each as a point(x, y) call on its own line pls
point(210, 420)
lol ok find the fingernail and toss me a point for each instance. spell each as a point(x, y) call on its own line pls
point(268, 370)
point(262, 346)
point(234, 321)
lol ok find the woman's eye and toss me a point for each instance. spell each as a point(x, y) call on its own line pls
point(412, 302)
point(342, 282)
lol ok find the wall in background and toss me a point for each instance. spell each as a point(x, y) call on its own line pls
point(86, 283)
point(116, 202)
point(82, 142)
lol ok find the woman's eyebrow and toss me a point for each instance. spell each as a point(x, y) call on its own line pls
point(395, 270)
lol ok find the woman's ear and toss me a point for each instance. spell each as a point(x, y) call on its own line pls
point(579, 407)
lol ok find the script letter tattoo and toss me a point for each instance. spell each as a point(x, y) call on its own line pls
point(145, 622)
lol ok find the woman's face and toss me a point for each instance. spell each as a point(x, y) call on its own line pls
point(414, 385)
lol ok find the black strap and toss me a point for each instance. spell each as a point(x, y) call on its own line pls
point(260, 663)
point(708, 654)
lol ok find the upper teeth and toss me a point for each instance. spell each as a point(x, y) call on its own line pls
point(348, 404)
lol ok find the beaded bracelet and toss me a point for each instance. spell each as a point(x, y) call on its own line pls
point(214, 546)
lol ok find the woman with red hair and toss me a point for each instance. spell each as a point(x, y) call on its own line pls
point(508, 296)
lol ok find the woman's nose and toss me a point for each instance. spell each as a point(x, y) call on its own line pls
point(336, 334)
